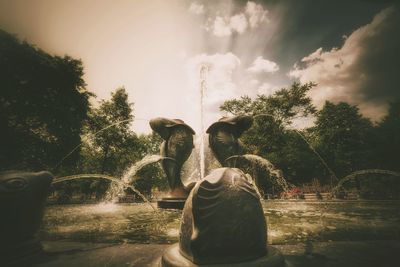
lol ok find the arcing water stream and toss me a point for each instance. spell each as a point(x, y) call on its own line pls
point(118, 185)
point(353, 175)
point(274, 172)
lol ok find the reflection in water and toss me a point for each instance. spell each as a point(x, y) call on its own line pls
point(288, 222)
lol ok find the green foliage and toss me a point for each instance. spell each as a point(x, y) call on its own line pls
point(111, 147)
point(109, 134)
point(284, 105)
point(270, 137)
point(344, 138)
point(43, 104)
point(388, 139)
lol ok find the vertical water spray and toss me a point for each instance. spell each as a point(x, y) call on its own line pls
point(203, 86)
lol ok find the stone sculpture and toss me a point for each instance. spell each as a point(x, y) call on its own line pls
point(224, 135)
point(22, 199)
point(176, 149)
point(223, 223)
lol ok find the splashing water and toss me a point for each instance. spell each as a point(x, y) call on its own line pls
point(130, 174)
point(86, 176)
point(119, 183)
point(262, 162)
point(203, 86)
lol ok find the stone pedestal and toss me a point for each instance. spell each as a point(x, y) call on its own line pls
point(171, 203)
point(173, 258)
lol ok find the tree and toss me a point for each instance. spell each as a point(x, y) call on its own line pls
point(111, 147)
point(388, 136)
point(344, 138)
point(43, 104)
point(108, 130)
point(270, 137)
point(284, 105)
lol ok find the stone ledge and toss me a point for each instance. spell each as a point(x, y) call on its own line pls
point(326, 254)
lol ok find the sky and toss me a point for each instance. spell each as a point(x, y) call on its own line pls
point(156, 48)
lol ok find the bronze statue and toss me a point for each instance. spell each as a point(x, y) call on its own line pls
point(176, 148)
point(224, 135)
point(223, 224)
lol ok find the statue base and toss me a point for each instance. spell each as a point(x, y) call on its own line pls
point(173, 258)
point(176, 203)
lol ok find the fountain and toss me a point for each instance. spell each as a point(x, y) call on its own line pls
point(22, 199)
point(223, 221)
point(175, 150)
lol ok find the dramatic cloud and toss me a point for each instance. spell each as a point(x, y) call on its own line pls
point(196, 8)
point(261, 65)
point(364, 71)
point(224, 24)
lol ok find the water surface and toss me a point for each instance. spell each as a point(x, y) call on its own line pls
point(288, 222)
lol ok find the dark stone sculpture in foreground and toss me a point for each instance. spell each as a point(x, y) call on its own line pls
point(176, 148)
point(22, 199)
point(224, 135)
point(223, 223)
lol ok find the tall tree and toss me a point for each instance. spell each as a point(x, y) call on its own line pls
point(388, 133)
point(108, 130)
point(344, 137)
point(43, 104)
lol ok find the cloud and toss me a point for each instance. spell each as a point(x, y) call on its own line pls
point(256, 14)
point(238, 23)
point(261, 65)
point(196, 8)
point(221, 27)
point(267, 89)
point(250, 17)
point(364, 71)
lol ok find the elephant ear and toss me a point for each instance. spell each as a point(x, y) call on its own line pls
point(164, 126)
point(236, 125)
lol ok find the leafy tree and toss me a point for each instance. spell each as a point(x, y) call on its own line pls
point(284, 105)
point(270, 137)
point(111, 147)
point(43, 104)
point(344, 138)
point(108, 130)
point(388, 136)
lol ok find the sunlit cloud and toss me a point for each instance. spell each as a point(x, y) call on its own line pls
point(256, 14)
point(353, 73)
point(221, 23)
point(261, 65)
